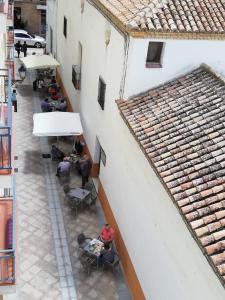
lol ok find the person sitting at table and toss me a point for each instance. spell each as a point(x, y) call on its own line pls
point(85, 169)
point(57, 153)
point(62, 105)
point(53, 80)
point(63, 167)
point(107, 234)
point(53, 87)
point(107, 255)
point(45, 105)
point(78, 146)
point(54, 95)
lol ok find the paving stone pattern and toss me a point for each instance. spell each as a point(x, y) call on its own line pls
point(48, 263)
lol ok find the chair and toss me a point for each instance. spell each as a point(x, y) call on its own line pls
point(66, 190)
point(82, 241)
point(91, 201)
point(74, 204)
point(87, 262)
point(113, 265)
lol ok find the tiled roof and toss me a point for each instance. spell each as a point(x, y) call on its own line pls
point(205, 16)
point(180, 126)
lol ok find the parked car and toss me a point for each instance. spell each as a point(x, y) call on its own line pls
point(30, 39)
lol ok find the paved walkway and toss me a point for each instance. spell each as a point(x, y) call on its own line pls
point(48, 263)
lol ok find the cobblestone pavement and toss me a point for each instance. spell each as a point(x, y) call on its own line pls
point(48, 263)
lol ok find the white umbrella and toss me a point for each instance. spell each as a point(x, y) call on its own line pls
point(57, 124)
point(39, 62)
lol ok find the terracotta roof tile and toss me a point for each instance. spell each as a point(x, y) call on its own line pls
point(182, 135)
point(169, 15)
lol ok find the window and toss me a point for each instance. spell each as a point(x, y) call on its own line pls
point(101, 93)
point(22, 35)
point(65, 26)
point(154, 55)
point(102, 156)
point(76, 69)
point(76, 76)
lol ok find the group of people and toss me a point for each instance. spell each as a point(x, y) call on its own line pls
point(84, 164)
point(46, 106)
point(61, 105)
point(107, 236)
point(21, 47)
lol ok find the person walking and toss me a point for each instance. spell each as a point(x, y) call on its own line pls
point(18, 48)
point(24, 49)
point(14, 100)
point(85, 169)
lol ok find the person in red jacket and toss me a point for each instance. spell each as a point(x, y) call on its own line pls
point(107, 234)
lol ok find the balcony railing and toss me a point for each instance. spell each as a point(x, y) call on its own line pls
point(8, 235)
point(10, 12)
point(10, 37)
point(7, 267)
point(5, 122)
point(5, 148)
point(10, 53)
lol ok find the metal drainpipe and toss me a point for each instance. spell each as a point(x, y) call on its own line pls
point(126, 51)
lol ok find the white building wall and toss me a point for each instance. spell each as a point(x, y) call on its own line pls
point(97, 60)
point(52, 23)
point(168, 262)
point(179, 57)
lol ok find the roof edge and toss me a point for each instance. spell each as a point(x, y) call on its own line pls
point(177, 35)
point(106, 12)
point(156, 34)
point(213, 72)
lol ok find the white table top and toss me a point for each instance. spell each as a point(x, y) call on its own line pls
point(79, 193)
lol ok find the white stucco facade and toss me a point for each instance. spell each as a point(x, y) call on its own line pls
point(2, 39)
point(51, 26)
point(178, 57)
point(168, 262)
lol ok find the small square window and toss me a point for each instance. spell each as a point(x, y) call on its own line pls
point(154, 55)
point(101, 93)
point(65, 26)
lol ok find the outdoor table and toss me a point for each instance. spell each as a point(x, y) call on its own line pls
point(80, 194)
point(55, 104)
point(74, 158)
point(94, 248)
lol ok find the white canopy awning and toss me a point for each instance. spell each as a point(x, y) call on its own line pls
point(57, 124)
point(39, 62)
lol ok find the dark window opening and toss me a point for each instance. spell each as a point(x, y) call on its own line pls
point(101, 93)
point(76, 76)
point(154, 54)
point(65, 26)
